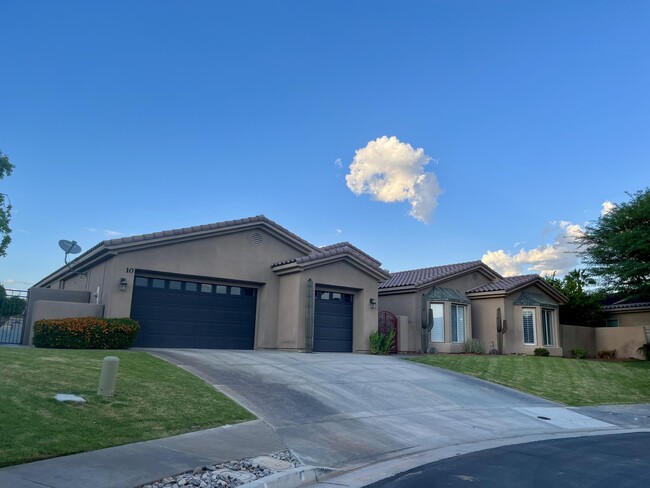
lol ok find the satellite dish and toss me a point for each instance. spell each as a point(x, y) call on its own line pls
point(70, 247)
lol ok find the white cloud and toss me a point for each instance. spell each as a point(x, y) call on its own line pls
point(559, 256)
point(393, 171)
point(339, 232)
point(106, 232)
point(607, 207)
point(338, 162)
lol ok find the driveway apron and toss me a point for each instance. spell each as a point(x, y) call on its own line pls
point(343, 410)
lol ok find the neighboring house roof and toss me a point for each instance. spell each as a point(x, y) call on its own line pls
point(108, 248)
point(630, 306)
point(511, 284)
point(417, 278)
point(330, 253)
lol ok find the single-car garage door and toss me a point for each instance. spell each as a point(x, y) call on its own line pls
point(332, 322)
point(178, 313)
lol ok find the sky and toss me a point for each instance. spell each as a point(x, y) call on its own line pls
point(423, 132)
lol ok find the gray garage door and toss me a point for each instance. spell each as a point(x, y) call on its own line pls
point(177, 313)
point(332, 322)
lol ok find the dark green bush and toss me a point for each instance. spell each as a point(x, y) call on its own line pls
point(645, 350)
point(579, 353)
point(606, 354)
point(382, 343)
point(541, 351)
point(85, 333)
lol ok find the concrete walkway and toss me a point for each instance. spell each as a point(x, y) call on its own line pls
point(367, 417)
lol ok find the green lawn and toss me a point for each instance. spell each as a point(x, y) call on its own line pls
point(152, 399)
point(575, 382)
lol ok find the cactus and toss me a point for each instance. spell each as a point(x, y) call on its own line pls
point(502, 328)
point(427, 325)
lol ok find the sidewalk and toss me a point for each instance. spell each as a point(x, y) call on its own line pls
point(132, 465)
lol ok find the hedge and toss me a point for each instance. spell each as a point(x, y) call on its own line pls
point(85, 333)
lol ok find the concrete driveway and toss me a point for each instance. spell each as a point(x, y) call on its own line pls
point(345, 410)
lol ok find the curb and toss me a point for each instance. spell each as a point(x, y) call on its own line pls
point(373, 473)
point(291, 478)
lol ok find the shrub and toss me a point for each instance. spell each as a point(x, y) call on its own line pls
point(645, 350)
point(541, 351)
point(85, 333)
point(579, 353)
point(472, 346)
point(606, 354)
point(382, 343)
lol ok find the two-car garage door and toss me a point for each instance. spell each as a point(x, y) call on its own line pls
point(180, 313)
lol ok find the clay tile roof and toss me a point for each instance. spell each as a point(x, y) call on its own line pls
point(355, 248)
point(343, 248)
point(622, 304)
point(506, 284)
point(192, 230)
point(422, 276)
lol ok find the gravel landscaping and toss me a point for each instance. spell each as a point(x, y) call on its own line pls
point(232, 473)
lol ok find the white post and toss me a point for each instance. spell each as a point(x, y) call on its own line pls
point(108, 378)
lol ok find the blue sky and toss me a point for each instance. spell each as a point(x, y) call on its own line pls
point(125, 118)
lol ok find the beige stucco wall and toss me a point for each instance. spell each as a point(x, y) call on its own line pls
point(630, 319)
point(65, 297)
point(46, 309)
point(484, 322)
point(626, 340)
point(574, 337)
point(336, 276)
point(515, 333)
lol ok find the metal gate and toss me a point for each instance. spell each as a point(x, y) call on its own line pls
point(388, 322)
point(13, 304)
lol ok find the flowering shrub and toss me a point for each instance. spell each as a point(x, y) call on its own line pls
point(85, 333)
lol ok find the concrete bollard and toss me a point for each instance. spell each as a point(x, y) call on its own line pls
point(108, 377)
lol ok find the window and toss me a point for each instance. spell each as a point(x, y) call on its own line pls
point(205, 288)
point(156, 283)
point(529, 325)
point(175, 285)
point(140, 281)
point(547, 327)
point(191, 286)
point(611, 323)
point(235, 290)
point(222, 290)
point(457, 323)
point(438, 329)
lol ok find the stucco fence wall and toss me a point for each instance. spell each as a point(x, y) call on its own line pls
point(625, 340)
point(46, 303)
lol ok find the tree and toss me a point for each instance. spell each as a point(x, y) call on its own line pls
point(5, 209)
point(616, 247)
point(584, 306)
point(11, 306)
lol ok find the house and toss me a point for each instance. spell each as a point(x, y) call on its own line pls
point(239, 284)
point(460, 301)
point(625, 313)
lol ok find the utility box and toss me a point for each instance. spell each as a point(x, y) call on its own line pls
point(108, 377)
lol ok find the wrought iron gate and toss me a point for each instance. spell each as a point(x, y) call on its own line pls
point(13, 304)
